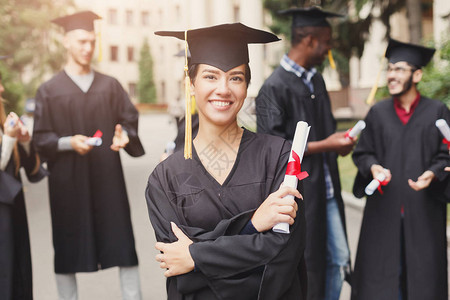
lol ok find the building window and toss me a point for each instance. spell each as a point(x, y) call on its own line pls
point(130, 54)
point(112, 16)
point(114, 53)
point(145, 18)
point(129, 18)
point(132, 89)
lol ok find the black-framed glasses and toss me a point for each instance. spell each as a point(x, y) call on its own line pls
point(400, 70)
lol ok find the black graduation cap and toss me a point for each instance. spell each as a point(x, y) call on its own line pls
point(222, 46)
point(309, 16)
point(182, 53)
point(80, 20)
point(415, 55)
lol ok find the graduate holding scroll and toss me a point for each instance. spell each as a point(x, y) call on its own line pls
point(294, 92)
point(213, 209)
point(90, 212)
point(402, 251)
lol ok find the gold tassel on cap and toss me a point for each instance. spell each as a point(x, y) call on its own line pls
point(331, 60)
point(370, 99)
point(188, 119)
point(100, 50)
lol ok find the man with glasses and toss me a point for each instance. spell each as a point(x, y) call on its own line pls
point(402, 251)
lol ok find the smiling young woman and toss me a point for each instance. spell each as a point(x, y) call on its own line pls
point(213, 214)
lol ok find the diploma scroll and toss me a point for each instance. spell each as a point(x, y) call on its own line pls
point(296, 156)
point(375, 183)
point(359, 126)
point(170, 147)
point(93, 141)
point(445, 130)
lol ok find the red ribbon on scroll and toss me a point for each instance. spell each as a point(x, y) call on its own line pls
point(295, 168)
point(447, 142)
point(98, 134)
point(382, 183)
point(347, 134)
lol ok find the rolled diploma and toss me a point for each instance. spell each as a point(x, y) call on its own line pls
point(359, 126)
point(373, 185)
point(93, 141)
point(298, 145)
point(443, 127)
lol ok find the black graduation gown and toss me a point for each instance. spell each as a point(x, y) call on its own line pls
point(229, 265)
point(284, 100)
point(15, 257)
point(407, 150)
point(88, 199)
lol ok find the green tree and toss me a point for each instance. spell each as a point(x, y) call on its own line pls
point(146, 84)
point(435, 82)
point(25, 29)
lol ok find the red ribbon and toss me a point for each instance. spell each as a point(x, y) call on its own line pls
point(382, 183)
point(347, 134)
point(447, 142)
point(295, 168)
point(98, 134)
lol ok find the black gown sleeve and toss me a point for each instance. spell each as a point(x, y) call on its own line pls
point(364, 156)
point(128, 118)
point(44, 136)
point(270, 111)
point(441, 159)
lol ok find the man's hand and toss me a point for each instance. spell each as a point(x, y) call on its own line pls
point(377, 169)
point(422, 182)
point(276, 210)
point(120, 139)
point(78, 144)
point(337, 142)
point(175, 257)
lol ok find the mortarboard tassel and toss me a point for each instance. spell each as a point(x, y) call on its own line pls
point(331, 60)
point(188, 115)
point(370, 99)
point(100, 50)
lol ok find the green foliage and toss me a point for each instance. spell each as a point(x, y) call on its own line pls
point(146, 84)
point(435, 82)
point(349, 33)
point(25, 35)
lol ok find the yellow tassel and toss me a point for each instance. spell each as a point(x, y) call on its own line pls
point(193, 105)
point(370, 99)
point(331, 60)
point(100, 50)
point(188, 113)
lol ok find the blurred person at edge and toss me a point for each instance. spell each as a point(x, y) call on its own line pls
point(16, 151)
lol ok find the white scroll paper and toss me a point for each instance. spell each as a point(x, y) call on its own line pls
point(359, 126)
point(298, 145)
point(93, 141)
point(375, 183)
point(443, 127)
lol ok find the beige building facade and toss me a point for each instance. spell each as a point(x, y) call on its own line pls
point(126, 24)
